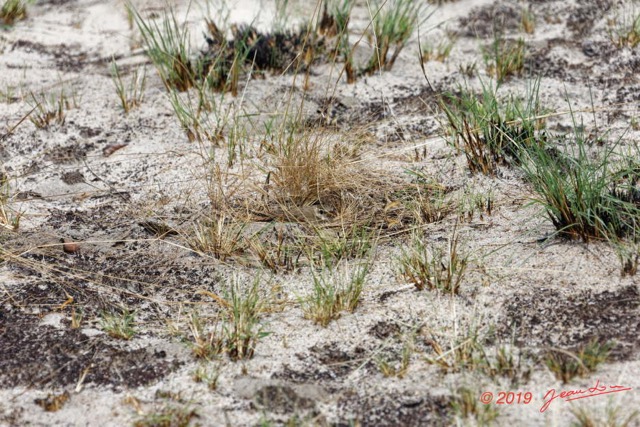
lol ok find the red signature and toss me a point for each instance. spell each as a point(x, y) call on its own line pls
point(569, 395)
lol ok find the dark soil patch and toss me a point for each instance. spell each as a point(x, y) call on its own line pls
point(394, 410)
point(545, 63)
point(384, 330)
point(73, 177)
point(322, 364)
point(548, 318)
point(482, 22)
point(68, 154)
point(339, 362)
point(308, 375)
point(99, 282)
point(122, 271)
point(282, 399)
point(625, 95)
point(600, 51)
point(55, 2)
point(582, 19)
point(33, 355)
point(416, 104)
point(61, 54)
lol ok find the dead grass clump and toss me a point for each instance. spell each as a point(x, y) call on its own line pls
point(220, 237)
point(313, 177)
point(309, 180)
point(306, 172)
point(278, 251)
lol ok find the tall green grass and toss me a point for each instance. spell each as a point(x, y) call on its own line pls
point(490, 130)
point(168, 46)
point(393, 23)
point(585, 194)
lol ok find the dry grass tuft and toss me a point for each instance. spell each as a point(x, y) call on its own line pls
point(221, 237)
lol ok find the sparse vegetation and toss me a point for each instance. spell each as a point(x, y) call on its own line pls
point(472, 202)
point(168, 416)
point(168, 46)
point(77, 316)
point(130, 95)
point(624, 28)
point(279, 254)
point(220, 237)
point(470, 352)
point(528, 21)
point(50, 108)
point(119, 324)
point(207, 375)
point(237, 330)
point(504, 57)
point(335, 22)
point(282, 15)
point(628, 253)
point(13, 10)
point(611, 418)
point(8, 219)
point(333, 247)
point(489, 131)
point(371, 206)
point(566, 364)
point(206, 343)
point(334, 292)
point(439, 51)
point(466, 405)
point(243, 329)
point(393, 23)
point(584, 197)
point(397, 365)
point(428, 203)
point(432, 267)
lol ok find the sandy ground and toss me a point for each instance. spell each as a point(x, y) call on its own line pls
point(522, 291)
